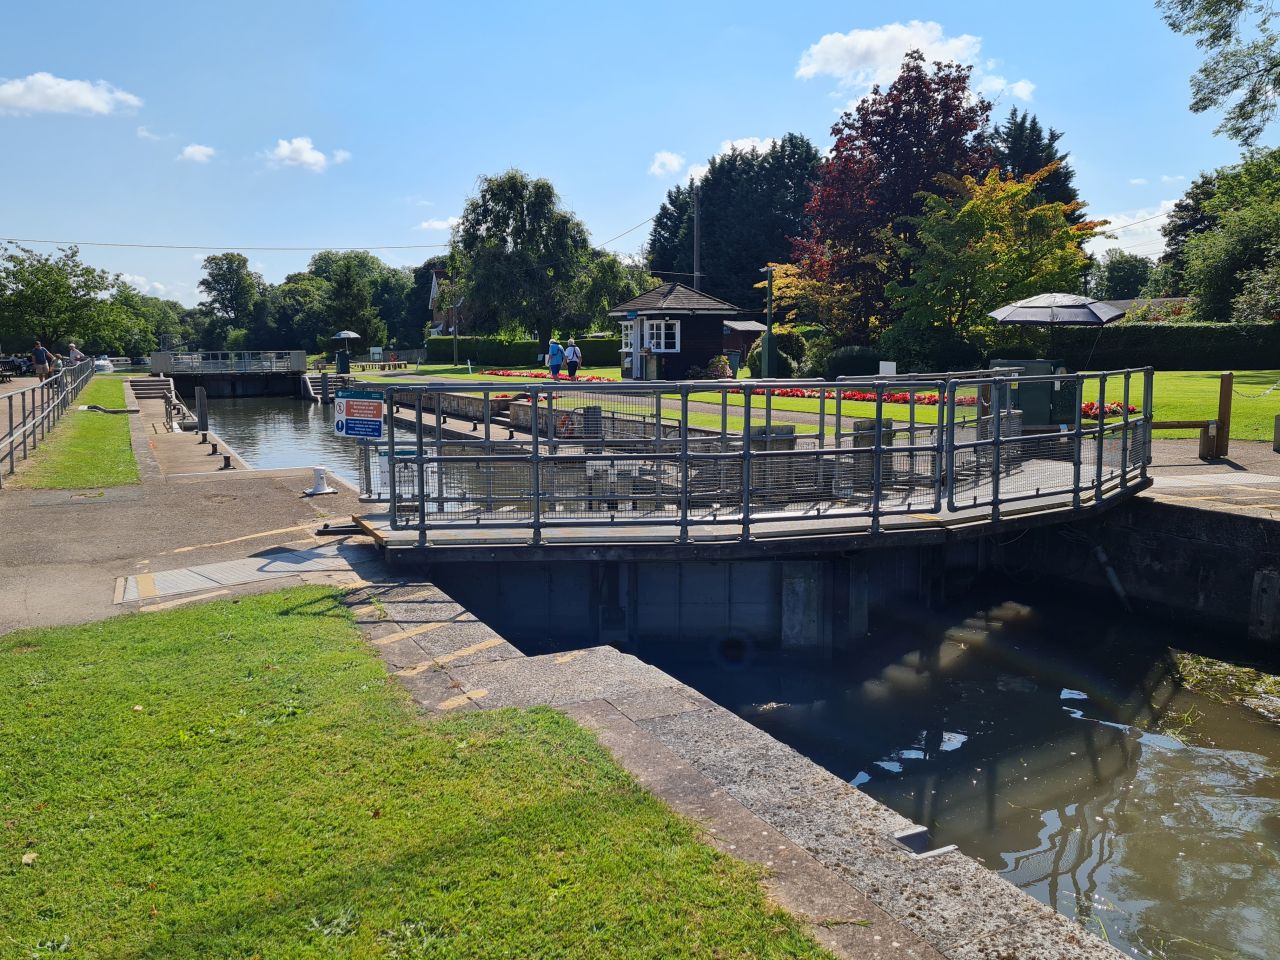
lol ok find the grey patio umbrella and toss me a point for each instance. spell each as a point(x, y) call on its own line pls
point(345, 335)
point(1057, 310)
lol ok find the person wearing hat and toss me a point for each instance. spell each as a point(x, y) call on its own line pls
point(555, 357)
point(572, 359)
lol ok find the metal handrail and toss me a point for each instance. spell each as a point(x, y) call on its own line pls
point(685, 455)
point(38, 408)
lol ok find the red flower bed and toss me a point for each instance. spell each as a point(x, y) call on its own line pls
point(1114, 409)
point(901, 396)
point(544, 375)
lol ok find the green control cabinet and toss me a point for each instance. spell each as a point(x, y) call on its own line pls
point(1045, 404)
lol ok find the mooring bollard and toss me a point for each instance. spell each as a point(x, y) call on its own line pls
point(226, 462)
point(213, 452)
point(204, 438)
point(320, 484)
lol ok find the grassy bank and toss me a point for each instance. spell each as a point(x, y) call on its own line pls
point(241, 779)
point(86, 449)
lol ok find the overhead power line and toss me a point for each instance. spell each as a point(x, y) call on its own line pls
point(193, 246)
point(1134, 223)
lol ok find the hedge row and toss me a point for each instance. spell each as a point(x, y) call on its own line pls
point(514, 353)
point(1165, 346)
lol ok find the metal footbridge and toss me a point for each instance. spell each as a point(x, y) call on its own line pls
point(740, 468)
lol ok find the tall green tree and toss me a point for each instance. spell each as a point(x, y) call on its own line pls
point(1119, 275)
point(603, 283)
point(350, 305)
point(51, 297)
point(986, 243)
point(1191, 215)
point(893, 149)
point(417, 301)
point(752, 205)
point(298, 309)
point(519, 251)
point(1241, 69)
point(1219, 261)
point(231, 290)
point(1021, 147)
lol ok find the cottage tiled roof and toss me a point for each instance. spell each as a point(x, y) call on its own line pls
point(673, 298)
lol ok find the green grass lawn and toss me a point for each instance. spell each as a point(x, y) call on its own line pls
point(1193, 395)
point(242, 779)
point(86, 449)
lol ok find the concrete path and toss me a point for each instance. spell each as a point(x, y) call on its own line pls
point(1245, 482)
point(63, 550)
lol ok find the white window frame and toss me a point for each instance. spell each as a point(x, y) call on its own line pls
point(659, 331)
point(628, 328)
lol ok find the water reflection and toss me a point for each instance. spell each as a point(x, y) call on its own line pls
point(1038, 739)
point(273, 432)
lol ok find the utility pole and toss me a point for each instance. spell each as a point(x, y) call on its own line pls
point(697, 239)
point(766, 347)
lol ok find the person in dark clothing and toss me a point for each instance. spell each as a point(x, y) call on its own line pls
point(42, 360)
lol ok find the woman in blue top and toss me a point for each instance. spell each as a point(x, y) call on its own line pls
point(555, 357)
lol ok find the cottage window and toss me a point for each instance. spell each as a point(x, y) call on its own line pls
point(662, 335)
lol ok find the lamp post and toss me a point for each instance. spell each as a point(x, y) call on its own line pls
point(766, 347)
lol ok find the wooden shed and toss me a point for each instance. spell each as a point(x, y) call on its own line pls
point(669, 329)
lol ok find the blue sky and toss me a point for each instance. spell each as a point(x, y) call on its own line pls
point(362, 124)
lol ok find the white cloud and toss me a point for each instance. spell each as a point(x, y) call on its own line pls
point(861, 58)
point(301, 152)
point(145, 134)
point(1143, 238)
point(1168, 178)
point(1139, 181)
point(439, 223)
point(45, 93)
point(698, 170)
point(143, 285)
point(666, 163)
point(197, 153)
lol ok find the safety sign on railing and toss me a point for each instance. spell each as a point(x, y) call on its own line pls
point(358, 414)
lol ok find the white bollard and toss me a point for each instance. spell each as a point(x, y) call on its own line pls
point(320, 484)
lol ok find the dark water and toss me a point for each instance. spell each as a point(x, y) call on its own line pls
point(270, 432)
point(1051, 743)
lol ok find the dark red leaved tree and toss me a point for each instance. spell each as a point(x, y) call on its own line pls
point(896, 143)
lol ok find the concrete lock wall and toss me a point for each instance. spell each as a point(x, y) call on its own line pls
point(819, 604)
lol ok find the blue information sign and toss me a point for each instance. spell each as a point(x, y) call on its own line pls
point(358, 414)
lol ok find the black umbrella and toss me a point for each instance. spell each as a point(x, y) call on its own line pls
point(1057, 310)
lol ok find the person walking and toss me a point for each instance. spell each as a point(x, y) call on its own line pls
point(42, 360)
point(555, 357)
point(74, 354)
point(572, 359)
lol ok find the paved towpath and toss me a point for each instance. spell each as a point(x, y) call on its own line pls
point(63, 551)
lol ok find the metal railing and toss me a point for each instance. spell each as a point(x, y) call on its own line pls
point(33, 411)
point(686, 457)
point(230, 361)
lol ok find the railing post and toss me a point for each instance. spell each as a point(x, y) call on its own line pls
point(995, 451)
point(1124, 435)
point(391, 457)
point(951, 444)
point(535, 458)
point(24, 426)
point(1077, 443)
point(746, 463)
point(1148, 393)
point(939, 445)
point(684, 464)
point(1102, 437)
point(422, 467)
point(822, 417)
point(876, 462)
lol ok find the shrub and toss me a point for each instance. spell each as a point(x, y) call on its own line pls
point(852, 361)
point(790, 341)
point(786, 366)
point(919, 347)
point(492, 351)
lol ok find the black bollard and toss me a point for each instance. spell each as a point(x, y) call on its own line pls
point(213, 452)
point(204, 438)
point(226, 462)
